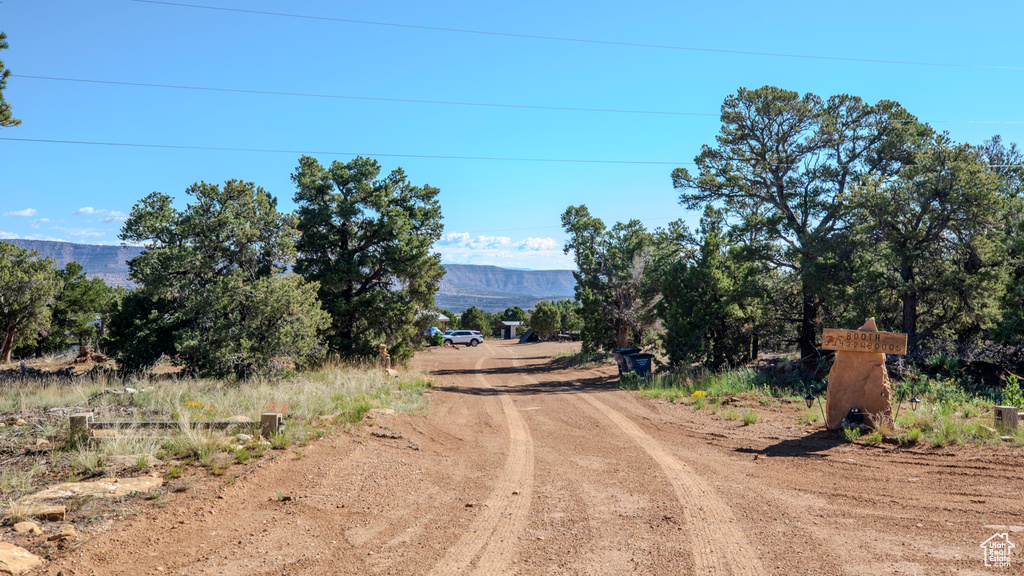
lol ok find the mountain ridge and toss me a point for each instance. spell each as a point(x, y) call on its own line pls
point(489, 288)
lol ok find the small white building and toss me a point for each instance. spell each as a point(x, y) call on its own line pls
point(508, 328)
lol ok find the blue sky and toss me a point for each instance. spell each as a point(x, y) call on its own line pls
point(502, 212)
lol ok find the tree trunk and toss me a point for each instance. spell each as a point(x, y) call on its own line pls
point(808, 324)
point(622, 335)
point(910, 299)
point(7, 346)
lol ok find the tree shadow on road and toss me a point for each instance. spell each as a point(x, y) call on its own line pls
point(810, 446)
point(549, 380)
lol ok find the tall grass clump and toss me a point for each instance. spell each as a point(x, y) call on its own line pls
point(714, 384)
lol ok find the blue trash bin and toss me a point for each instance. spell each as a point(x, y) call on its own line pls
point(620, 358)
point(640, 364)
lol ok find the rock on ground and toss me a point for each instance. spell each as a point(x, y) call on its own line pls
point(101, 488)
point(17, 560)
point(25, 527)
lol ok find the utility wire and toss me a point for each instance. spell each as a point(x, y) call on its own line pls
point(372, 154)
point(345, 97)
point(336, 153)
point(418, 101)
point(581, 40)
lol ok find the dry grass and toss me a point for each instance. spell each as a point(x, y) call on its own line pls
point(311, 402)
point(19, 511)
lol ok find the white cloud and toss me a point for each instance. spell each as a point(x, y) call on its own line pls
point(535, 253)
point(26, 213)
point(13, 236)
point(114, 216)
point(107, 216)
point(35, 223)
point(464, 240)
point(81, 232)
point(456, 238)
point(538, 244)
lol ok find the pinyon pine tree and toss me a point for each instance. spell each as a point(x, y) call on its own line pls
point(368, 243)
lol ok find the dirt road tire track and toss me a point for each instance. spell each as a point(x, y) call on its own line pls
point(719, 546)
point(493, 534)
point(592, 503)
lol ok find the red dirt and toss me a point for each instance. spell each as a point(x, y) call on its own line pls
point(523, 469)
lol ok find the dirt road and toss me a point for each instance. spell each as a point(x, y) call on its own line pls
point(524, 468)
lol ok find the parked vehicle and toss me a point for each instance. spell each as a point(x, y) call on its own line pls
point(470, 337)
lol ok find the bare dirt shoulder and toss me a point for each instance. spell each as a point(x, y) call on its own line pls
point(520, 468)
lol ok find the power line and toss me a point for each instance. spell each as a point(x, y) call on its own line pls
point(383, 155)
point(419, 101)
point(581, 40)
point(336, 153)
point(346, 97)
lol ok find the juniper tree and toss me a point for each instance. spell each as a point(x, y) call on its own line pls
point(213, 289)
point(27, 287)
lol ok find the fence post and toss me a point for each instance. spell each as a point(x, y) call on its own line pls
point(80, 426)
point(1006, 417)
point(270, 424)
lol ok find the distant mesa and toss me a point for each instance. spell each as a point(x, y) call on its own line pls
point(489, 288)
point(107, 262)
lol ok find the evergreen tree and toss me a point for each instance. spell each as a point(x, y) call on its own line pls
point(6, 119)
point(77, 306)
point(933, 242)
point(27, 287)
point(709, 315)
point(546, 320)
point(475, 319)
point(213, 292)
point(784, 164)
point(1007, 162)
point(616, 278)
point(369, 245)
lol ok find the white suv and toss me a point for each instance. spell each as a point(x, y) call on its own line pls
point(471, 337)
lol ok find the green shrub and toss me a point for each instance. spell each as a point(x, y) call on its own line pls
point(750, 417)
point(280, 441)
point(1012, 395)
point(851, 434)
point(873, 439)
point(913, 436)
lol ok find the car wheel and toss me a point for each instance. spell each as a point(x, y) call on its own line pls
point(448, 343)
point(473, 343)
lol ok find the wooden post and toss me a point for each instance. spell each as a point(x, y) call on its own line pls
point(270, 424)
point(80, 426)
point(1006, 418)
